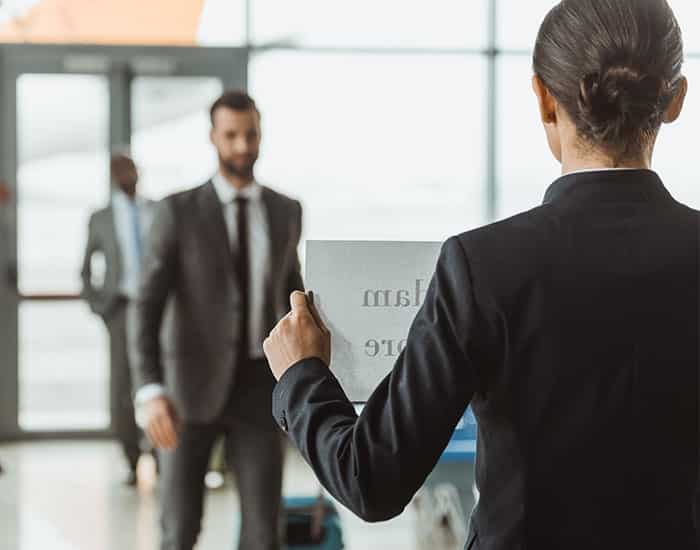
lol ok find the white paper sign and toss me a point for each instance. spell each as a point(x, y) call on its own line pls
point(368, 294)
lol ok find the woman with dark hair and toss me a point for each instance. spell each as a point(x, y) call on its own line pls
point(572, 329)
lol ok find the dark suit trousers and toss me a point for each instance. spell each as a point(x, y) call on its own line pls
point(254, 454)
point(121, 399)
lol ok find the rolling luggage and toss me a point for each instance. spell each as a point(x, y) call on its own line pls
point(306, 516)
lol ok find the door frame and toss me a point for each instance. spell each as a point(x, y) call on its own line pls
point(120, 64)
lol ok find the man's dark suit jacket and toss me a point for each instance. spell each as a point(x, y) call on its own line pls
point(187, 313)
point(572, 329)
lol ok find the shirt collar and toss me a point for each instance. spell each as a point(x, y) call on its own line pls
point(586, 170)
point(119, 196)
point(227, 193)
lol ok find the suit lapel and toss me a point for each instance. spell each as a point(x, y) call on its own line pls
point(114, 248)
point(276, 225)
point(212, 218)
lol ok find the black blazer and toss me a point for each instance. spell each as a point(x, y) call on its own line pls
point(572, 329)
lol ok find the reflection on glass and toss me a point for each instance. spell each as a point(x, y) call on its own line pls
point(170, 141)
point(62, 136)
point(63, 378)
point(376, 147)
point(677, 148)
point(525, 166)
point(397, 23)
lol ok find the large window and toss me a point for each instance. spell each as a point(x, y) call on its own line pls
point(525, 165)
point(377, 147)
point(424, 109)
point(677, 145)
point(368, 23)
point(410, 120)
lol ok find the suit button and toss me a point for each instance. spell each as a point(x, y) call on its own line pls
point(283, 423)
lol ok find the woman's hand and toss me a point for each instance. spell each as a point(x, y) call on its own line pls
point(301, 334)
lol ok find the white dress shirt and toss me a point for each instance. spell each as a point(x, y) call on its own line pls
point(602, 169)
point(130, 243)
point(259, 261)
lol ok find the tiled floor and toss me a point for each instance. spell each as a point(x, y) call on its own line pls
point(68, 496)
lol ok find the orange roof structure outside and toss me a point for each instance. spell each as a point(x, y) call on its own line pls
point(148, 22)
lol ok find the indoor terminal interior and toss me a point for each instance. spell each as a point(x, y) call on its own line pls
point(387, 120)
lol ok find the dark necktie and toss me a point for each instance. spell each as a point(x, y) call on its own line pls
point(243, 272)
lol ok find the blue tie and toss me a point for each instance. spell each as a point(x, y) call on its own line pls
point(136, 232)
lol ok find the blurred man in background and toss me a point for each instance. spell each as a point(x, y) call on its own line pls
point(221, 262)
point(111, 271)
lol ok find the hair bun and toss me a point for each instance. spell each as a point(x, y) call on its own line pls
point(618, 102)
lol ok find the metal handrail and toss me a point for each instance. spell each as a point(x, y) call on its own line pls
point(50, 297)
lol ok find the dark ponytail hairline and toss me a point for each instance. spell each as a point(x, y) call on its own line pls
point(614, 65)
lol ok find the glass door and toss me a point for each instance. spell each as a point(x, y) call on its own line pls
point(62, 177)
point(64, 110)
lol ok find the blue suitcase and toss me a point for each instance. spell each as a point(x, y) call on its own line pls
point(299, 517)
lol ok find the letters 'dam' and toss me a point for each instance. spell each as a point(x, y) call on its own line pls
point(368, 293)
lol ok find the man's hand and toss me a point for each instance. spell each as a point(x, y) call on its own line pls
point(301, 334)
point(161, 423)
